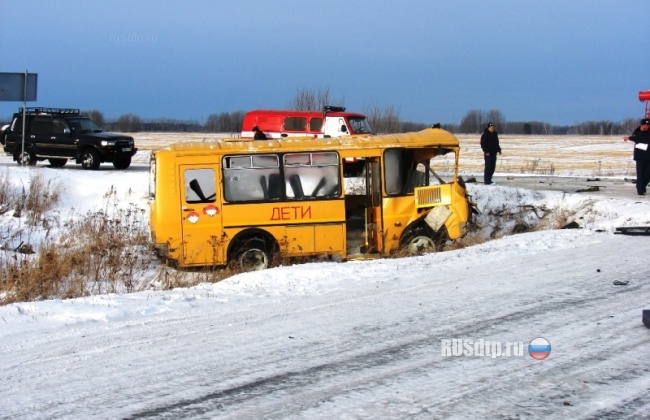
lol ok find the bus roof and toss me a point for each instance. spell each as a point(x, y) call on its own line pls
point(431, 137)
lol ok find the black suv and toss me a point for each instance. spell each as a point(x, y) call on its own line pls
point(59, 134)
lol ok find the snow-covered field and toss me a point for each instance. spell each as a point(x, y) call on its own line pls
point(552, 155)
point(366, 339)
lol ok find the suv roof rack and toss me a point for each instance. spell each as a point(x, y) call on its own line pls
point(52, 111)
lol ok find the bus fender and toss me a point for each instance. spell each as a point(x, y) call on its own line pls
point(437, 217)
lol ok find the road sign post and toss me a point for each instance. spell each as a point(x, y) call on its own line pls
point(19, 87)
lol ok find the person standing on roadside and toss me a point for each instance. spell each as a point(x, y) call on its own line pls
point(259, 134)
point(641, 138)
point(490, 146)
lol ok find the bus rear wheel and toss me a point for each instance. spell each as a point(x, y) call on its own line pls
point(253, 255)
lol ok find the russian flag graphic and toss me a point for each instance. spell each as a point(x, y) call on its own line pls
point(539, 348)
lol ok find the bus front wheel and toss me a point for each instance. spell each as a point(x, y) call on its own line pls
point(423, 241)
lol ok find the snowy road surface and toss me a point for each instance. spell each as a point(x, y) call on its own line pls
point(316, 342)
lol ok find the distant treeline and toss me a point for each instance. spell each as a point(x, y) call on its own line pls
point(476, 120)
point(381, 120)
point(225, 122)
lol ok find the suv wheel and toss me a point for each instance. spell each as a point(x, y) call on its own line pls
point(57, 163)
point(90, 159)
point(26, 158)
point(122, 162)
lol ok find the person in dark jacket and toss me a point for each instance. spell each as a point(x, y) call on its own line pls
point(259, 134)
point(641, 138)
point(490, 146)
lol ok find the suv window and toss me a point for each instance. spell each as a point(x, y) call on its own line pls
point(58, 126)
point(47, 126)
point(41, 126)
point(83, 125)
point(18, 125)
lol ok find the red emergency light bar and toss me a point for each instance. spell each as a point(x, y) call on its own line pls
point(644, 96)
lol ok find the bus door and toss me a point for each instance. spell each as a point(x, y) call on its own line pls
point(374, 226)
point(201, 214)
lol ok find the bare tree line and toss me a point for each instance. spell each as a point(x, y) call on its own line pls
point(382, 119)
point(310, 100)
point(475, 121)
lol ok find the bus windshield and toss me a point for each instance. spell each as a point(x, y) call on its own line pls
point(404, 170)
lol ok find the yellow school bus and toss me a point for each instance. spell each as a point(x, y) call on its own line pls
point(251, 204)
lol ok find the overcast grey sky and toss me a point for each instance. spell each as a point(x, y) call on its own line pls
point(555, 61)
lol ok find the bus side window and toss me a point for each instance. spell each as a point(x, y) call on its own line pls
point(316, 124)
point(393, 171)
point(295, 123)
point(275, 187)
point(200, 186)
point(296, 186)
point(312, 175)
point(245, 178)
point(272, 191)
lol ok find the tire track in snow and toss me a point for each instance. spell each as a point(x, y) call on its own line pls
point(386, 358)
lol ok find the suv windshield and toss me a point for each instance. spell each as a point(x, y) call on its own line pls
point(360, 126)
point(83, 125)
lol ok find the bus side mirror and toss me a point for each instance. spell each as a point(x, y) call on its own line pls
point(344, 129)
